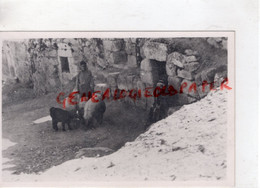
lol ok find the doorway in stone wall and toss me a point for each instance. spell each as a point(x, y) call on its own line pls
point(64, 64)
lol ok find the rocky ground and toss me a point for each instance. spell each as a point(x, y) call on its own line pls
point(189, 145)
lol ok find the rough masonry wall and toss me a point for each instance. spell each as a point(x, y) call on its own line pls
point(122, 64)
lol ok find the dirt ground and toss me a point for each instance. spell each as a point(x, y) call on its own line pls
point(39, 147)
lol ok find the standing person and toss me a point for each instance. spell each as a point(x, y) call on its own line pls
point(84, 85)
point(84, 80)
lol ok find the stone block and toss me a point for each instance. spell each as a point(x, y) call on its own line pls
point(131, 61)
point(129, 82)
point(191, 58)
point(186, 89)
point(175, 58)
point(185, 74)
point(175, 82)
point(121, 82)
point(190, 52)
point(208, 75)
point(155, 50)
point(118, 57)
point(192, 66)
point(198, 79)
point(219, 77)
point(52, 53)
point(114, 46)
point(130, 48)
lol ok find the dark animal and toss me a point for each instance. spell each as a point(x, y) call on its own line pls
point(59, 115)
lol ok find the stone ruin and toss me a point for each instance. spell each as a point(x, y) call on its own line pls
point(48, 65)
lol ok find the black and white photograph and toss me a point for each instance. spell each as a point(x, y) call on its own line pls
point(121, 107)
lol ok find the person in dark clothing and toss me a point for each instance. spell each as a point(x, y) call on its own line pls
point(159, 109)
point(84, 80)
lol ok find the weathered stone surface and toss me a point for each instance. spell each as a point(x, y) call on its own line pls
point(194, 90)
point(185, 74)
point(114, 46)
point(186, 89)
point(171, 70)
point(192, 66)
point(190, 52)
point(148, 65)
point(39, 83)
point(121, 82)
point(219, 77)
point(131, 61)
point(149, 78)
point(198, 79)
point(208, 75)
point(224, 44)
point(102, 62)
point(175, 82)
point(175, 58)
point(112, 81)
point(155, 50)
point(130, 48)
point(129, 81)
point(52, 53)
point(118, 57)
point(189, 59)
point(217, 42)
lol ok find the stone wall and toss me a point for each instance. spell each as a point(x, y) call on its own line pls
point(122, 64)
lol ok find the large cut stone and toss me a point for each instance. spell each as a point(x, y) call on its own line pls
point(118, 57)
point(131, 61)
point(155, 50)
point(130, 48)
point(190, 52)
point(191, 58)
point(175, 58)
point(114, 46)
point(191, 67)
point(185, 74)
point(171, 70)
